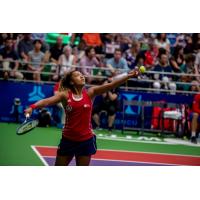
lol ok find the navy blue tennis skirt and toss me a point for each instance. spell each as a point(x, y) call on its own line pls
point(72, 148)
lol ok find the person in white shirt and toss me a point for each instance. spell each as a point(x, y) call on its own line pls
point(67, 61)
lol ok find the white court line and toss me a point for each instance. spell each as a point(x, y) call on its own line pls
point(38, 154)
point(132, 140)
point(133, 161)
point(148, 142)
point(168, 154)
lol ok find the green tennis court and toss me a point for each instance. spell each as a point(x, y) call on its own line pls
point(39, 148)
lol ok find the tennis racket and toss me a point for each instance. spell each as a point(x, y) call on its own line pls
point(28, 125)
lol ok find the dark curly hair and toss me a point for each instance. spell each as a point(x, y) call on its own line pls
point(65, 82)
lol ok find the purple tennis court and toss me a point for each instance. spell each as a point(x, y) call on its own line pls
point(47, 155)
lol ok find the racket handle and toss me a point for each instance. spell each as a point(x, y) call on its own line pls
point(27, 115)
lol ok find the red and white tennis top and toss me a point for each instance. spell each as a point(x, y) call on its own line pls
point(78, 117)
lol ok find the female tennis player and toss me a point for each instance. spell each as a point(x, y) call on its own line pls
point(78, 138)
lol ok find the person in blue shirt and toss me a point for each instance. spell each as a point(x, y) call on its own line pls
point(9, 61)
point(163, 66)
point(117, 64)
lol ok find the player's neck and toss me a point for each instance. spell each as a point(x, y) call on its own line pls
point(78, 91)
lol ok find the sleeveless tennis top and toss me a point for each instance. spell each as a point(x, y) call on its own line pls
point(78, 118)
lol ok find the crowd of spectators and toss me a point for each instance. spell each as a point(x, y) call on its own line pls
point(27, 56)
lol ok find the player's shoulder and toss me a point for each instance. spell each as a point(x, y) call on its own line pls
point(63, 93)
point(90, 91)
point(86, 91)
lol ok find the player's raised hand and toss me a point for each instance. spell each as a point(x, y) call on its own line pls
point(134, 73)
point(137, 71)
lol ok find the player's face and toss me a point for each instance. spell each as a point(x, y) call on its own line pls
point(78, 78)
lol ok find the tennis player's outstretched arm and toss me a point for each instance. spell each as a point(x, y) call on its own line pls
point(58, 97)
point(98, 90)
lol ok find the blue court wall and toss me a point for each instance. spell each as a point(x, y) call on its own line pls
point(30, 93)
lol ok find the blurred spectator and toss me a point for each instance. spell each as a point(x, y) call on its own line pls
point(117, 41)
point(117, 64)
point(66, 61)
point(25, 46)
point(189, 64)
point(196, 41)
point(17, 38)
point(140, 60)
point(79, 51)
point(106, 102)
point(180, 40)
point(75, 39)
point(137, 36)
point(189, 47)
point(163, 66)
point(106, 37)
point(36, 61)
point(110, 45)
point(197, 63)
point(93, 40)
point(145, 41)
point(56, 50)
point(161, 41)
point(89, 60)
point(124, 42)
point(3, 36)
point(162, 51)
point(188, 69)
point(45, 47)
point(38, 36)
point(10, 62)
point(127, 37)
point(177, 60)
point(195, 86)
point(151, 55)
point(44, 117)
point(195, 115)
point(184, 79)
point(132, 53)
